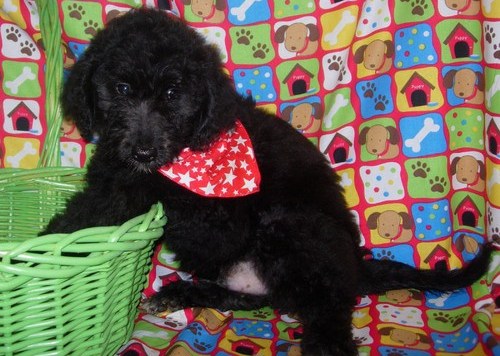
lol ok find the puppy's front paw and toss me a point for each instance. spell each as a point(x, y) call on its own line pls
point(168, 300)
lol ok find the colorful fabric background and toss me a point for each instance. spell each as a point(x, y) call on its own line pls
point(402, 97)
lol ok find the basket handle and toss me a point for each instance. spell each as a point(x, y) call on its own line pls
point(50, 28)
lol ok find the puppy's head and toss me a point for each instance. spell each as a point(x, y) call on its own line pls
point(149, 86)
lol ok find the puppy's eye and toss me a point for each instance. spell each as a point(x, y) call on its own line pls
point(170, 93)
point(123, 88)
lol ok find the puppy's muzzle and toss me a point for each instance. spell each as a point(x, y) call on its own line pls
point(145, 154)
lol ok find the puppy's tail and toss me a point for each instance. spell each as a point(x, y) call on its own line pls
point(378, 276)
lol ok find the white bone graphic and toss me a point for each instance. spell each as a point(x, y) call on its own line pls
point(487, 5)
point(347, 18)
point(495, 87)
point(14, 85)
point(8, 6)
point(28, 150)
point(339, 102)
point(495, 179)
point(241, 11)
point(439, 301)
point(429, 126)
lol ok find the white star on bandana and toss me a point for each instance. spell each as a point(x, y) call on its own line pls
point(223, 170)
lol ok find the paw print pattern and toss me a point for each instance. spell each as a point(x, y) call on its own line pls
point(201, 345)
point(195, 329)
point(381, 103)
point(369, 90)
point(385, 255)
point(360, 340)
point(489, 34)
point(28, 48)
point(261, 314)
point(419, 7)
point(446, 318)
point(495, 234)
point(76, 11)
point(244, 37)
point(260, 50)
point(13, 34)
point(496, 51)
point(337, 64)
point(420, 169)
point(438, 184)
point(172, 323)
point(91, 27)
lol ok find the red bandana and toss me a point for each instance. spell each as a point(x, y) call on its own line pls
point(227, 169)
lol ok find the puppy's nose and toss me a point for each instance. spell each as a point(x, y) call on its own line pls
point(145, 154)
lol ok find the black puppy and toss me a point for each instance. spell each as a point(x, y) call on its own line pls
point(153, 91)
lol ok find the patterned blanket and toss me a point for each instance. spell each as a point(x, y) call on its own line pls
point(402, 97)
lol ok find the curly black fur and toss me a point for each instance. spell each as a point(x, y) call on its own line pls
point(149, 86)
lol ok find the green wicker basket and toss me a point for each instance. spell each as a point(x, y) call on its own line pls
point(65, 294)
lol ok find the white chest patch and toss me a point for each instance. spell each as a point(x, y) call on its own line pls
point(243, 278)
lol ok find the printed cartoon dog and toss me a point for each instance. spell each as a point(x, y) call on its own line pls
point(299, 38)
point(392, 225)
point(468, 170)
point(406, 297)
point(466, 243)
point(466, 84)
point(305, 117)
point(376, 56)
point(407, 338)
point(208, 10)
point(464, 7)
point(381, 141)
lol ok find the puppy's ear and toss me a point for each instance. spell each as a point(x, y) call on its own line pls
point(219, 111)
point(359, 55)
point(453, 165)
point(393, 135)
point(78, 94)
point(482, 170)
point(449, 78)
point(480, 81)
point(362, 135)
point(372, 221)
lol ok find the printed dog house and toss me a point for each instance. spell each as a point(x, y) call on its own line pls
point(461, 42)
point(298, 80)
point(417, 90)
point(468, 213)
point(439, 258)
point(294, 333)
point(493, 134)
point(22, 117)
point(246, 347)
point(338, 149)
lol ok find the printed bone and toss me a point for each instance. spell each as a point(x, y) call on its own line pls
point(14, 85)
point(495, 87)
point(339, 102)
point(8, 6)
point(241, 11)
point(415, 142)
point(347, 18)
point(28, 150)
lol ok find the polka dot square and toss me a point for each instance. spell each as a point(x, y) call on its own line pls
point(466, 128)
point(382, 183)
point(414, 47)
point(432, 220)
point(256, 82)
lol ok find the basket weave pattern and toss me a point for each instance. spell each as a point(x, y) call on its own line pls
point(73, 293)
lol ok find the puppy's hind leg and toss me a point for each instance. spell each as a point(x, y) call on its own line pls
point(312, 274)
point(325, 309)
point(204, 294)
